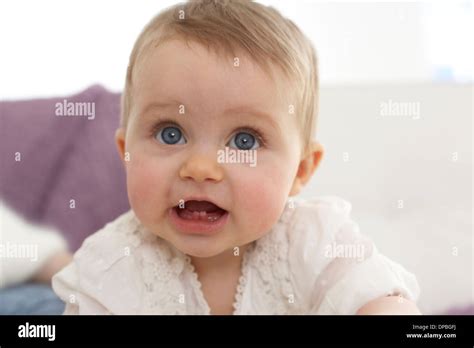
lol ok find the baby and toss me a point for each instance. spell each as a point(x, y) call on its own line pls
point(210, 85)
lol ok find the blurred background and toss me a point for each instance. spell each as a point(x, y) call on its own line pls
point(56, 47)
point(395, 119)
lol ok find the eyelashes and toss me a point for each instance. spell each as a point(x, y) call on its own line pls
point(257, 132)
point(158, 126)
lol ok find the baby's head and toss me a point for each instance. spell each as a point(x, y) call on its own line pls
point(211, 83)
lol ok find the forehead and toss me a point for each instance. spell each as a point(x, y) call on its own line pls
point(204, 80)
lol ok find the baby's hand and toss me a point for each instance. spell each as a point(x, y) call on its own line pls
point(395, 305)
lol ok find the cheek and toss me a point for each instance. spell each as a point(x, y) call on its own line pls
point(146, 189)
point(260, 196)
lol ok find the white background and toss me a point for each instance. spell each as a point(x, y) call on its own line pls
point(53, 47)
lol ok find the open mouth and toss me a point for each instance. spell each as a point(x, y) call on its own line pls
point(199, 217)
point(200, 210)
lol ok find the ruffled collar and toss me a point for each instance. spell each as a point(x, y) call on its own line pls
point(267, 257)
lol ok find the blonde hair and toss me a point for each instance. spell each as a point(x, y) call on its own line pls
point(228, 25)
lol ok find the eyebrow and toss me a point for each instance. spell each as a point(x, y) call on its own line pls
point(245, 110)
point(161, 105)
point(239, 110)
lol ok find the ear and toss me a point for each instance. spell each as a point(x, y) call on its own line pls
point(120, 142)
point(307, 167)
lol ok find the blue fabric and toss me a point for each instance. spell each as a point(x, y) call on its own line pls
point(30, 299)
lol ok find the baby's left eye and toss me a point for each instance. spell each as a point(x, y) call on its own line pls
point(244, 141)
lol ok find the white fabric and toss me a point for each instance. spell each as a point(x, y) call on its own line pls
point(294, 269)
point(24, 247)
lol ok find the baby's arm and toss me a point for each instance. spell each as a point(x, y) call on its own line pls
point(389, 305)
point(67, 285)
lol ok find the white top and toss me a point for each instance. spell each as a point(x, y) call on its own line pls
point(24, 247)
point(313, 261)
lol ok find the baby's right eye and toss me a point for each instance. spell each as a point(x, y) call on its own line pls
point(170, 135)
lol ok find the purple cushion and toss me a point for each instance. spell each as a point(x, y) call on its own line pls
point(63, 158)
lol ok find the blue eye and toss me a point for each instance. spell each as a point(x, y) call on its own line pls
point(171, 136)
point(244, 141)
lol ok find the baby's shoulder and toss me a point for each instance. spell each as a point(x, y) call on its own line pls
point(301, 238)
point(115, 241)
point(328, 205)
point(308, 226)
point(317, 217)
point(107, 264)
point(311, 226)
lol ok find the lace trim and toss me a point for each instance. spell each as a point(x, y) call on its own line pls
point(269, 250)
point(197, 286)
point(161, 268)
point(267, 256)
point(270, 261)
point(242, 280)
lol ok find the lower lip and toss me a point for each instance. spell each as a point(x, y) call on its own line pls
point(197, 226)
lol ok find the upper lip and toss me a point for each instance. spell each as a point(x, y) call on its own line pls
point(200, 198)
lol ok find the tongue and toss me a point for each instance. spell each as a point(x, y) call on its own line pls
point(208, 207)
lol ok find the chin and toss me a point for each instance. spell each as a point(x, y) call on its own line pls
point(197, 245)
point(200, 251)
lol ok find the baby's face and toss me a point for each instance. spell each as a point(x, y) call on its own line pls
point(187, 104)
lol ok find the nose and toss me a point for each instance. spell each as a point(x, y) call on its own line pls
point(201, 168)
